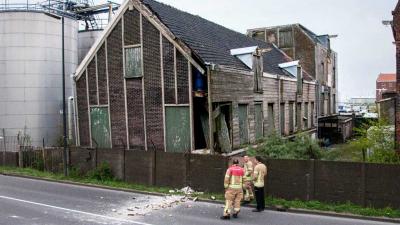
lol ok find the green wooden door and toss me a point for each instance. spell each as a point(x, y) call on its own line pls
point(258, 121)
point(243, 125)
point(177, 122)
point(100, 127)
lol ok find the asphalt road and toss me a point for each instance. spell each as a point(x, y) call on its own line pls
point(25, 201)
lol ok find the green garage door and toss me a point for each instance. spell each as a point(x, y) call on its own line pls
point(177, 122)
point(100, 127)
point(243, 125)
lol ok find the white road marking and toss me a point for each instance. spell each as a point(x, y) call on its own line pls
point(75, 211)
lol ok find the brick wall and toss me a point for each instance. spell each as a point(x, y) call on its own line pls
point(140, 97)
point(396, 29)
point(305, 51)
point(83, 114)
point(116, 87)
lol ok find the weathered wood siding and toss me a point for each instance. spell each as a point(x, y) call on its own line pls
point(237, 88)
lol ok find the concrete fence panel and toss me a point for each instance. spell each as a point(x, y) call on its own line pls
point(207, 172)
point(139, 167)
point(382, 185)
point(339, 182)
point(170, 169)
point(11, 159)
point(83, 159)
point(114, 158)
point(289, 179)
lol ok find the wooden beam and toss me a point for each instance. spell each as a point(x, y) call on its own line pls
point(124, 75)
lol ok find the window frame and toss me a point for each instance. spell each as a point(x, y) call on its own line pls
point(127, 47)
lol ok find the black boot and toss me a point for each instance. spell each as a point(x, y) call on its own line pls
point(235, 215)
point(225, 217)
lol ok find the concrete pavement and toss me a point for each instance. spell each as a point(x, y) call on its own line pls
point(25, 201)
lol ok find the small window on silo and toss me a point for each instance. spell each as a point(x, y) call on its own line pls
point(133, 62)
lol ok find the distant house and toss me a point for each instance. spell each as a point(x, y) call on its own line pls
point(162, 79)
point(385, 84)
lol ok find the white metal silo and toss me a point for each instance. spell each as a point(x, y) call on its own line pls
point(31, 73)
point(86, 39)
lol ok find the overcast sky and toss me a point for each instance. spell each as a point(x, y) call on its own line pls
point(364, 45)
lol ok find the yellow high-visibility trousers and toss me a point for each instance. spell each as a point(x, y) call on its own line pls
point(233, 197)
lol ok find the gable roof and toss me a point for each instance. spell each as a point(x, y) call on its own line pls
point(212, 42)
point(386, 77)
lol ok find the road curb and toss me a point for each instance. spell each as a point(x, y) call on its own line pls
point(290, 210)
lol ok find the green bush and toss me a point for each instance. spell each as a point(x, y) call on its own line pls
point(301, 147)
point(101, 173)
point(38, 164)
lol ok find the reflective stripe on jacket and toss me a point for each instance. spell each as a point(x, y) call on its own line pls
point(234, 177)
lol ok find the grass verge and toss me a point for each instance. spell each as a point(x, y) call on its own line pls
point(347, 208)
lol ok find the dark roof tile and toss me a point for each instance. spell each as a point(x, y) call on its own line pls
point(213, 42)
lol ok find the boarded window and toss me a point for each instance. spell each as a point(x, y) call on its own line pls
point(271, 119)
point(298, 117)
point(291, 117)
point(100, 127)
point(282, 112)
point(133, 62)
point(243, 125)
point(285, 39)
point(312, 114)
point(322, 104)
point(177, 122)
point(305, 118)
point(258, 120)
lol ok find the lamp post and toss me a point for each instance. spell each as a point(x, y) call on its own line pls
point(64, 106)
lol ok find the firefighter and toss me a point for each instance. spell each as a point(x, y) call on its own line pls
point(248, 179)
point(233, 184)
point(260, 172)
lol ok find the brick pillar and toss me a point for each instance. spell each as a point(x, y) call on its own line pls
point(396, 34)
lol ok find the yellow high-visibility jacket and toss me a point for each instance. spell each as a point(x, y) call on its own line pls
point(260, 171)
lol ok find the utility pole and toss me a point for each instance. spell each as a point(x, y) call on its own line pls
point(64, 107)
point(5, 146)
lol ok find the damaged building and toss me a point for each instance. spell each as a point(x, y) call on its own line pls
point(317, 57)
point(162, 79)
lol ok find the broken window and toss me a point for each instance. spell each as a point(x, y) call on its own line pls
point(222, 113)
point(133, 62)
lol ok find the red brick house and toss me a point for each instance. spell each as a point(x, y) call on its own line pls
point(385, 84)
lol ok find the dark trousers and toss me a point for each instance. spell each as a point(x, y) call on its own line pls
point(259, 193)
